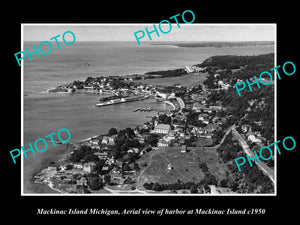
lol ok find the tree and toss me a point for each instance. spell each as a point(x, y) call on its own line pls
point(96, 183)
point(126, 167)
point(91, 158)
point(99, 165)
point(157, 187)
point(224, 182)
point(136, 167)
point(79, 154)
point(129, 132)
point(193, 189)
point(69, 167)
point(148, 186)
point(152, 140)
point(107, 178)
point(112, 131)
point(115, 152)
point(165, 119)
point(203, 167)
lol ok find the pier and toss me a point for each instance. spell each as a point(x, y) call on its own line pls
point(148, 109)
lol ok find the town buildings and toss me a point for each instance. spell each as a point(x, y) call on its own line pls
point(162, 129)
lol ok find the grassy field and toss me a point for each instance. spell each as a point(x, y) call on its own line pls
point(188, 80)
point(185, 165)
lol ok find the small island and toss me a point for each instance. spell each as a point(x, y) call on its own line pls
point(189, 149)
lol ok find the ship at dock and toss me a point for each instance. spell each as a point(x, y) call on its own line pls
point(113, 100)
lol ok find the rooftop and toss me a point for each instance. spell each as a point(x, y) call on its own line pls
point(163, 126)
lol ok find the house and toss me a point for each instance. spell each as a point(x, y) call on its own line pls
point(105, 168)
point(200, 117)
point(257, 133)
point(197, 130)
point(205, 121)
point(213, 190)
point(170, 136)
point(161, 95)
point(78, 166)
point(108, 140)
point(172, 95)
point(88, 167)
point(170, 167)
point(208, 136)
point(181, 141)
point(253, 139)
point(88, 87)
point(162, 129)
point(215, 107)
point(181, 134)
point(223, 85)
point(133, 150)
point(136, 150)
point(183, 149)
point(110, 161)
point(220, 82)
point(141, 138)
point(198, 107)
point(162, 143)
point(259, 123)
point(52, 166)
point(94, 144)
point(244, 128)
point(216, 75)
point(101, 155)
point(117, 178)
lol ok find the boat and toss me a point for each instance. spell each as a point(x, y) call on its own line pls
point(108, 98)
point(135, 98)
point(148, 109)
point(119, 100)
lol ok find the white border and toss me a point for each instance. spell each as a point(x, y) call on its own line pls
point(128, 24)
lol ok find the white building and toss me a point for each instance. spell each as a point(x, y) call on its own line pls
point(252, 138)
point(88, 167)
point(162, 143)
point(162, 129)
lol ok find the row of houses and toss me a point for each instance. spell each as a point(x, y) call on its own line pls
point(200, 107)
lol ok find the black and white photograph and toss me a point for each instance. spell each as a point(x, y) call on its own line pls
point(158, 117)
point(139, 112)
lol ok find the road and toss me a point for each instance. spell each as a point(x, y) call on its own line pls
point(222, 140)
point(138, 180)
point(181, 102)
point(262, 166)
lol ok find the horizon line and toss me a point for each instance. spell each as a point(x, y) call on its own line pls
point(163, 41)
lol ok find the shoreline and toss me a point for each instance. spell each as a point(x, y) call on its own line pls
point(38, 188)
point(65, 89)
point(43, 188)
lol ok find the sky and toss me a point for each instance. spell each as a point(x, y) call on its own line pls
point(125, 32)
